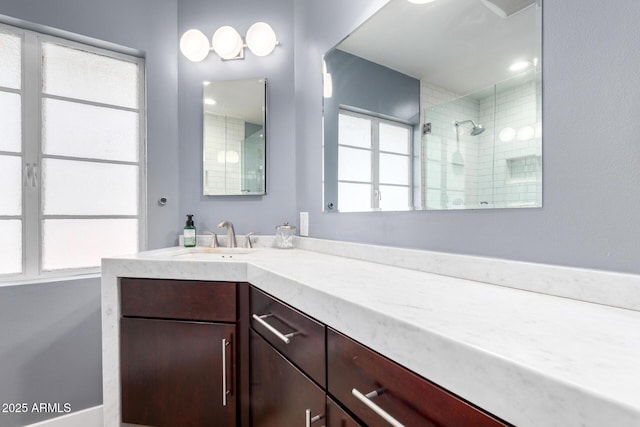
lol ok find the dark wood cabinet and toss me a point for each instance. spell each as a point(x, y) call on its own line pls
point(179, 351)
point(337, 417)
point(281, 395)
point(174, 373)
point(375, 388)
point(305, 338)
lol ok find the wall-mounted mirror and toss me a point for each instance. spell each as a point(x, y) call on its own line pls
point(436, 106)
point(234, 137)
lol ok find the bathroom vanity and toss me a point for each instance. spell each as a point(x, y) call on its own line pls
point(371, 340)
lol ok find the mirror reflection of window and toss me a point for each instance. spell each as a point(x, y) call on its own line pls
point(374, 163)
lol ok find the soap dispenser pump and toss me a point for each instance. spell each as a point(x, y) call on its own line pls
point(189, 235)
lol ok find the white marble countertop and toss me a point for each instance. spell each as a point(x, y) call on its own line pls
point(531, 359)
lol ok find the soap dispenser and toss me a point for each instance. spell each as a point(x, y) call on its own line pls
point(189, 235)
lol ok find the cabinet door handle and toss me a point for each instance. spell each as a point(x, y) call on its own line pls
point(225, 391)
point(366, 399)
point(284, 337)
point(309, 419)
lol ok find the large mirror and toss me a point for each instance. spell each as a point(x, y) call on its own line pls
point(234, 137)
point(436, 105)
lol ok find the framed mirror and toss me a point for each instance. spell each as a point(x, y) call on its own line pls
point(436, 105)
point(234, 137)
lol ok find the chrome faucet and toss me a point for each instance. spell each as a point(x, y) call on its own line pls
point(214, 239)
point(231, 234)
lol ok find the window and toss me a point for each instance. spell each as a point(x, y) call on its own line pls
point(71, 154)
point(374, 163)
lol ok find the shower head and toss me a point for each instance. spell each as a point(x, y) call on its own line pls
point(475, 130)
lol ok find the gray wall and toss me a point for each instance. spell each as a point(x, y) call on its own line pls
point(248, 213)
point(50, 346)
point(397, 96)
point(591, 146)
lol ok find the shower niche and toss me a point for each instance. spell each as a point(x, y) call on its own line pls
point(483, 150)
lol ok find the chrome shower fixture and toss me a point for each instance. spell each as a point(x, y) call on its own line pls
point(475, 130)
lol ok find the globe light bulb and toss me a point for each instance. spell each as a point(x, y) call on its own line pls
point(194, 45)
point(261, 39)
point(227, 42)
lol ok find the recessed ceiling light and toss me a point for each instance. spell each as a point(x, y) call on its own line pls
point(206, 83)
point(519, 66)
point(210, 101)
point(421, 1)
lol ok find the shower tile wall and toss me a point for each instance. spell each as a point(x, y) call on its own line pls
point(500, 170)
point(447, 185)
point(225, 135)
point(509, 172)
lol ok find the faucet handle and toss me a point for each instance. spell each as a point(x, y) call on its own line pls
point(214, 239)
point(247, 241)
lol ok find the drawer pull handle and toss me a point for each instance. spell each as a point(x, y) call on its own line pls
point(284, 337)
point(366, 399)
point(309, 419)
point(225, 392)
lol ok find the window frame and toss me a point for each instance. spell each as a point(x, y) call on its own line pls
point(32, 100)
point(376, 121)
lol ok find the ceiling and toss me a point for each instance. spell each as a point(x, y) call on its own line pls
point(457, 44)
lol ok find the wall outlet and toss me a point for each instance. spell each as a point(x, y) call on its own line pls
point(304, 224)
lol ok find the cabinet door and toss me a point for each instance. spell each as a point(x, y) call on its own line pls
point(281, 395)
point(174, 373)
point(336, 417)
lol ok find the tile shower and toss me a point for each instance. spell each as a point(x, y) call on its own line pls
point(498, 168)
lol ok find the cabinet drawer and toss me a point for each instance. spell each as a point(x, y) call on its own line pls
point(298, 337)
point(178, 299)
point(403, 395)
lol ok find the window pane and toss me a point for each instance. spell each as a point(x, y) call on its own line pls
point(75, 73)
point(394, 198)
point(394, 138)
point(10, 122)
point(354, 164)
point(354, 197)
point(80, 130)
point(354, 131)
point(78, 243)
point(10, 186)
point(10, 64)
point(87, 188)
point(11, 247)
point(394, 169)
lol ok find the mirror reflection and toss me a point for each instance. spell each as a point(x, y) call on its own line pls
point(436, 106)
point(234, 137)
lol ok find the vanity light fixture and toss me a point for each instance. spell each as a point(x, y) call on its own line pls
point(210, 101)
point(327, 81)
point(507, 134)
point(228, 43)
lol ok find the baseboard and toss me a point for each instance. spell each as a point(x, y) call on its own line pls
point(91, 417)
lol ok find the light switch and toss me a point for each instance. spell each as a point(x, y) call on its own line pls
point(304, 223)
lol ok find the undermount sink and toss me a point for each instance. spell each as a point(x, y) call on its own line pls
point(211, 253)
